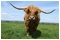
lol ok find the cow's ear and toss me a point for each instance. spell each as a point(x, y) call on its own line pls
point(36, 12)
point(39, 10)
point(25, 9)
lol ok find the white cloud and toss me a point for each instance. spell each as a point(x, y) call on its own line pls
point(53, 19)
point(5, 16)
point(4, 13)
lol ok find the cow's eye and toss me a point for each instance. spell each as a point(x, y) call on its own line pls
point(36, 12)
point(28, 11)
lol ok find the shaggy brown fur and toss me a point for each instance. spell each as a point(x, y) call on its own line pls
point(32, 17)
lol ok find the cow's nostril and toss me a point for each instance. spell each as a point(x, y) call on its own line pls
point(29, 17)
point(33, 18)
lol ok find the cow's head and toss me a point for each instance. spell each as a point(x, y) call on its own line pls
point(32, 11)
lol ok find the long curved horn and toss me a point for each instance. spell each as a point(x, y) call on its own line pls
point(48, 12)
point(16, 7)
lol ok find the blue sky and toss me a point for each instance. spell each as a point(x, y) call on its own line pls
point(12, 14)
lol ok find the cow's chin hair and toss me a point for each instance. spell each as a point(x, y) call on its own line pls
point(32, 19)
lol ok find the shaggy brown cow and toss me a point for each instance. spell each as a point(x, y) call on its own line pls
point(32, 17)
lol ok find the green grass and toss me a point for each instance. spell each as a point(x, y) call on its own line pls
point(17, 30)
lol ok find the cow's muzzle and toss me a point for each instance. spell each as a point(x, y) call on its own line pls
point(31, 17)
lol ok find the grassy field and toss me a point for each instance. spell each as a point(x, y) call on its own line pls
point(17, 30)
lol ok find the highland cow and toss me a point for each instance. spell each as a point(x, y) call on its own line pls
point(32, 17)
